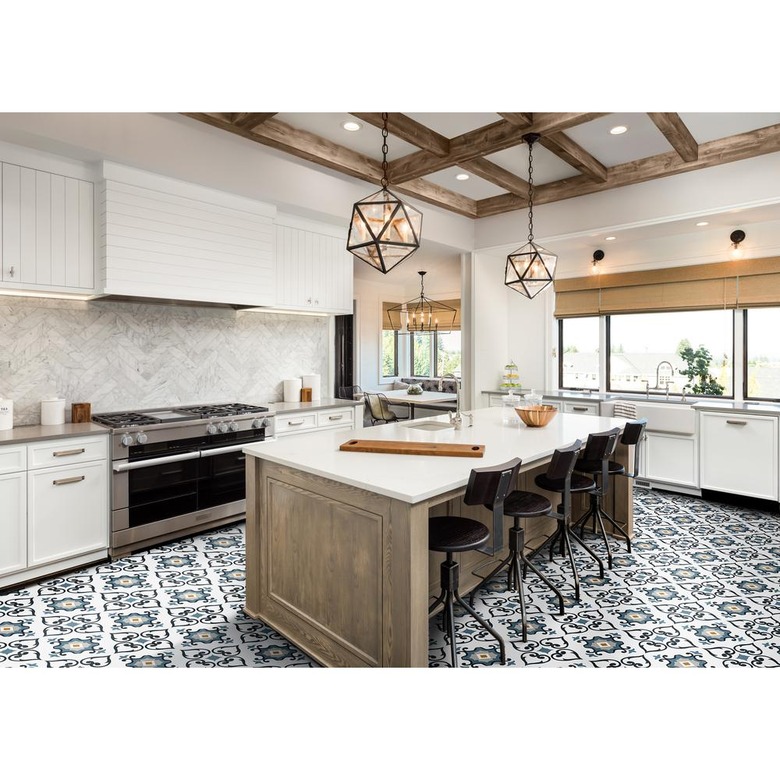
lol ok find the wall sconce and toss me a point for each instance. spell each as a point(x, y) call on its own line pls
point(598, 256)
point(737, 237)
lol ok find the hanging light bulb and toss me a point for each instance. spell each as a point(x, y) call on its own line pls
point(737, 237)
point(384, 230)
point(598, 256)
point(532, 267)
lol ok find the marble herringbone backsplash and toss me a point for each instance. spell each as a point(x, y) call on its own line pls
point(122, 356)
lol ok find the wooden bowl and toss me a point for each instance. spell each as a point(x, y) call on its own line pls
point(536, 416)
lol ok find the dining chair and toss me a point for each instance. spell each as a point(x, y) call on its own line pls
point(379, 409)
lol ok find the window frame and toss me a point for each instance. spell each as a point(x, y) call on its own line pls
point(382, 375)
point(560, 354)
point(745, 359)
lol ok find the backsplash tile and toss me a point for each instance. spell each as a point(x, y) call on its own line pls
point(120, 356)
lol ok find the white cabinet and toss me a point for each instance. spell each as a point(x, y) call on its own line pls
point(13, 510)
point(291, 423)
point(313, 268)
point(739, 454)
point(581, 407)
point(54, 506)
point(47, 230)
point(170, 239)
point(670, 459)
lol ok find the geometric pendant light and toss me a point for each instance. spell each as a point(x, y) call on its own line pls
point(530, 268)
point(421, 314)
point(384, 230)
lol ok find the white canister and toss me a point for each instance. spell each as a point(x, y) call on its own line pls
point(292, 390)
point(6, 414)
point(53, 411)
point(312, 381)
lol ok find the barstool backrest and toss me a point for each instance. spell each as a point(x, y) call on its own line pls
point(563, 460)
point(601, 445)
point(489, 486)
point(632, 435)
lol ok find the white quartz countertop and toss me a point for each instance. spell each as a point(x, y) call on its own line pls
point(304, 406)
point(414, 478)
point(738, 407)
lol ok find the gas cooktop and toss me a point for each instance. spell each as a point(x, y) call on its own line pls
point(176, 414)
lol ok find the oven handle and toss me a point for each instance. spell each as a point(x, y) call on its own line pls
point(223, 450)
point(142, 464)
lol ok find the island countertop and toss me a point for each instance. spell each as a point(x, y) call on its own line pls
point(422, 477)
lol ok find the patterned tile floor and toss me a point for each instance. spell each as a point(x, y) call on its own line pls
point(701, 588)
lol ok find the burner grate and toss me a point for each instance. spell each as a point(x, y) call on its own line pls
point(222, 410)
point(124, 419)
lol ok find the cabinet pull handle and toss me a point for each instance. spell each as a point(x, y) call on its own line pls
point(335, 416)
point(62, 453)
point(579, 408)
point(11, 272)
point(295, 422)
point(736, 422)
point(68, 480)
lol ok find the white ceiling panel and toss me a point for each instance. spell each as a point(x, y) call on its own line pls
point(547, 167)
point(473, 187)
point(453, 125)
point(707, 127)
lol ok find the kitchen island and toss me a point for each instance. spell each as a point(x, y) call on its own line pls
point(337, 554)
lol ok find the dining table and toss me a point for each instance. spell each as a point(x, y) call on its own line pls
point(427, 399)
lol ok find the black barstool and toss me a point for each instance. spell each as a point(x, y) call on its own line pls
point(520, 504)
point(560, 478)
point(631, 437)
point(454, 534)
point(595, 462)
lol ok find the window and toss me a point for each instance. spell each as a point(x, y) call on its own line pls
point(675, 350)
point(762, 353)
point(578, 346)
point(442, 354)
point(448, 353)
point(389, 354)
point(420, 358)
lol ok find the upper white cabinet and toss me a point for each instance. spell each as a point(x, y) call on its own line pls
point(47, 230)
point(313, 267)
point(169, 239)
point(739, 453)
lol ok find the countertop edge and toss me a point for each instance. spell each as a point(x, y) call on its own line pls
point(28, 433)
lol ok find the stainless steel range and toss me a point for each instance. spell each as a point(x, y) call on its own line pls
point(179, 471)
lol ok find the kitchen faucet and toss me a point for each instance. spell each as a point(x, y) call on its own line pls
point(658, 375)
point(457, 420)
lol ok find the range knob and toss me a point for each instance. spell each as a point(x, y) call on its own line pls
point(233, 426)
point(211, 429)
point(126, 440)
point(260, 423)
point(222, 427)
point(142, 438)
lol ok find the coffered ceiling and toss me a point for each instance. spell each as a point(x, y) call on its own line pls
point(577, 154)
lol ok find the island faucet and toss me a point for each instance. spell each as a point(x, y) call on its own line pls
point(658, 375)
point(456, 420)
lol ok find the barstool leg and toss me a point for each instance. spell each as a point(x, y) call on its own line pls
point(527, 563)
point(451, 620)
point(487, 628)
point(618, 529)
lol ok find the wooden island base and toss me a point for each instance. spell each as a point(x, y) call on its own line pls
point(345, 574)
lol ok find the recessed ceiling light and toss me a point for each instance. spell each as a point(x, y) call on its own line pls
point(351, 126)
point(618, 130)
point(702, 224)
point(610, 238)
point(462, 176)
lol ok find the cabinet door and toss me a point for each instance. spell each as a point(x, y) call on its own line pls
point(670, 458)
point(68, 511)
point(738, 454)
point(289, 424)
point(13, 522)
point(47, 230)
point(577, 407)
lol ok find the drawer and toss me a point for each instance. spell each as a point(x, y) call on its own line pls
point(63, 452)
point(295, 423)
point(335, 417)
point(13, 459)
point(574, 407)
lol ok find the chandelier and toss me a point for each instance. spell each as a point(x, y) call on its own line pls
point(532, 267)
point(384, 230)
point(421, 314)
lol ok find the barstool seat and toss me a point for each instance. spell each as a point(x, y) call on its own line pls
point(451, 534)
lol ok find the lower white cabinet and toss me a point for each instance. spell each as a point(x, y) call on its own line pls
point(581, 407)
point(54, 506)
point(291, 423)
point(670, 459)
point(739, 454)
point(13, 510)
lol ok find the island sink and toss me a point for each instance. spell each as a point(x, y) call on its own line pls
point(430, 426)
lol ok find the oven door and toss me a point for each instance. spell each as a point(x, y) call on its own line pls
point(221, 478)
point(154, 489)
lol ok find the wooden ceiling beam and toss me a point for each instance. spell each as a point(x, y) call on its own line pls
point(677, 134)
point(407, 129)
point(497, 175)
point(547, 123)
point(562, 146)
point(308, 146)
point(766, 140)
point(250, 121)
point(520, 120)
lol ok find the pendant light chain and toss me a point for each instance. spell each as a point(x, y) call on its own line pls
point(530, 191)
point(384, 150)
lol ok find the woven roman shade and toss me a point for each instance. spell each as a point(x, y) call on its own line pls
point(738, 283)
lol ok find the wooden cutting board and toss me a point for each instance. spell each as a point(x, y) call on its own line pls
point(414, 448)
